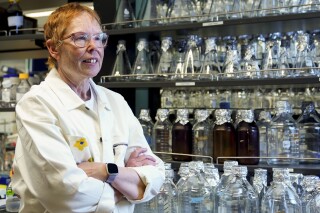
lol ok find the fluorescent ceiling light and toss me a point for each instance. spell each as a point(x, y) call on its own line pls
point(46, 12)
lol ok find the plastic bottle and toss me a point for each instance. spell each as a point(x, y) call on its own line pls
point(182, 136)
point(147, 126)
point(15, 17)
point(23, 86)
point(162, 131)
point(281, 197)
point(239, 195)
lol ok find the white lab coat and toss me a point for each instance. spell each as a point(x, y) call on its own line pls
point(56, 131)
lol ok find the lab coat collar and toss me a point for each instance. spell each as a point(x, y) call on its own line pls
point(67, 96)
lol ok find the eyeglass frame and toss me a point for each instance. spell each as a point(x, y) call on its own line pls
point(72, 36)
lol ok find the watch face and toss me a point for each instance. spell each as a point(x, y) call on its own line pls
point(112, 168)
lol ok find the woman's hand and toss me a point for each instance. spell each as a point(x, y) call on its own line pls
point(139, 158)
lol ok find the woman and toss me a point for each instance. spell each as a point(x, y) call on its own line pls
point(80, 148)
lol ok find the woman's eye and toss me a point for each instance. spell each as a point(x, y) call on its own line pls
point(82, 37)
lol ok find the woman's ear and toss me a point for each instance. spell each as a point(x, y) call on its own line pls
point(52, 48)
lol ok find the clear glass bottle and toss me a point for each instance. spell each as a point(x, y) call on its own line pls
point(314, 205)
point(202, 134)
point(167, 98)
point(247, 137)
point(210, 67)
point(167, 198)
point(147, 126)
point(182, 136)
point(283, 136)
point(309, 130)
point(219, 189)
point(212, 175)
point(224, 141)
point(23, 86)
point(195, 194)
point(15, 17)
point(162, 134)
point(259, 182)
point(183, 172)
point(142, 67)
point(309, 184)
point(296, 182)
point(263, 124)
point(122, 65)
point(239, 195)
point(12, 199)
point(166, 57)
point(6, 92)
point(281, 197)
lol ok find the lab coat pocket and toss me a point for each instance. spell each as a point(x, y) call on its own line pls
point(80, 149)
point(120, 150)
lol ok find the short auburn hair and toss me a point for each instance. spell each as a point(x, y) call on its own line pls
point(58, 22)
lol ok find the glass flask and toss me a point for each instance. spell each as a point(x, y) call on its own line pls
point(307, 6)
point(192, 60)
point(296, 182)
point(249, 64)
point(269, 8)
point(224, 142)
point(195, 194)
point(162, 134)
point(162, 7)
point(304, 62)
point(272, 55)
point(182, 136)
point(210, 67)
point(147, 126)
point(181, 98)
point(219, 189)
point(314, 205)
point(183, 173)
point(231, 66)
point(280, 197)
point(309, 184)
point(167, 198)
point(167, 98)
point(125, 15)
point(181, 11)
point(283, 136)
point(166, 57)
point(247, 137)
point(283, 61)
point(309, 130)
point(142, 68)
point(122, 65)
point(259, 182)
point(210, 99)
point(202, 132)
point(263, 124)
point(258, 44)
point(239, 195)
point(147, 12)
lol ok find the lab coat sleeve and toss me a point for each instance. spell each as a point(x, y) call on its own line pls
point(45, 163)
point(152, 176)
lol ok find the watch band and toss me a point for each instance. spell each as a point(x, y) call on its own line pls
point(112, 171)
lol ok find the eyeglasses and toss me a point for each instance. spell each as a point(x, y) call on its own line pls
point(83, 39)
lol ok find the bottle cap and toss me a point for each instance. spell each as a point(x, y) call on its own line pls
point(6, 83)
point(224, 105)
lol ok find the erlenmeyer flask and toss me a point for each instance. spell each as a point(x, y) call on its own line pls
point(148, 12)
point(166, 57)
point(142, 68)
point(210, 67)
point(125, 15)
point(122, 65)
point(192, 60)
point(231, 66)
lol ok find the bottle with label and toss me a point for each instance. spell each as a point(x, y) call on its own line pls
point(147, 126)
point(122, 65)
point(247, 137)
point(224, 142)
point(283, 136)
point(23, 87)
point(202, 134)
point(182, 136)
point(309, 130)
point(15, 17)
point(162, 134)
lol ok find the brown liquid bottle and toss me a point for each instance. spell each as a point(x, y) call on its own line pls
point(224, 143)
point(247, 137)
point(182, 136)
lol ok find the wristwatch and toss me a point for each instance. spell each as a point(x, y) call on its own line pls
point(112, 171)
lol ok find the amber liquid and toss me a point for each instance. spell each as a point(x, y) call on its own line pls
point(247, 137)
point(224, 143)
point(182, 141)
